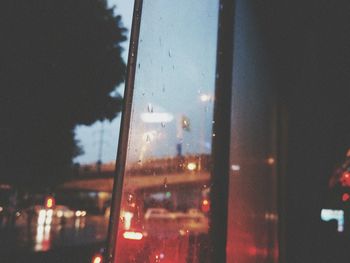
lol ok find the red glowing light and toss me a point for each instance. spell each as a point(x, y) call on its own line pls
point(345, 179)
point(97, 259)
point(345, 197)
point(270, 161)
point(205, 206)
point(252, 251)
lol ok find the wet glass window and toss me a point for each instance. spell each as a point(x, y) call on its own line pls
point(252, 234)
point(165, 200)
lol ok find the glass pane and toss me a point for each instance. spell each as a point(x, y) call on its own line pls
point(165, 199)
point(252, 223)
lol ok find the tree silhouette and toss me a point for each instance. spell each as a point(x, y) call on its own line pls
point(59, 62)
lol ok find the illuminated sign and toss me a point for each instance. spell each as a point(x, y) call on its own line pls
point(338, 215)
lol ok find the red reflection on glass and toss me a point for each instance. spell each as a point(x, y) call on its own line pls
point(270, 161)
point(345, 179)
point(205, 206)
point(252, 251)
point(255, 251)
point(97, 259)
point(345, 197)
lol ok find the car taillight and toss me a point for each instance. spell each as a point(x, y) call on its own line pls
point(345, 197)
point(205, 206)
point(97, 259)
point(133, 235)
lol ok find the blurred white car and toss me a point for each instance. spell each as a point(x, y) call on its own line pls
point(158, 213)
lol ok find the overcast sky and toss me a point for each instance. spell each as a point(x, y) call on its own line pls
point(176, 65)
point(89, 136)
point(175, 69)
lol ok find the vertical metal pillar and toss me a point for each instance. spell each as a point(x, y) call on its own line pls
point(124, 135)
point(222, 133)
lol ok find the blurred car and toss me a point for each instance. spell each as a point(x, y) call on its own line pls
point(58, 214)
point(158, 213)
point(135, 247)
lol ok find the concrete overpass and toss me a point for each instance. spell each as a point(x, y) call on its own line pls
point(136, 182)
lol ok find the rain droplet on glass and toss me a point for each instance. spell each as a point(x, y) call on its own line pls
point(163, 124)
point(169, 53)
point(150, 108)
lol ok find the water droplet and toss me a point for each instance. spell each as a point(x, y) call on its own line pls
point(163, 124)
point(173, 67)
point(148, 138)
point(150, 108)
point(139, 65)
point(169, 53)
point(213, 134)
point(139, 161)
point(163, 89)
